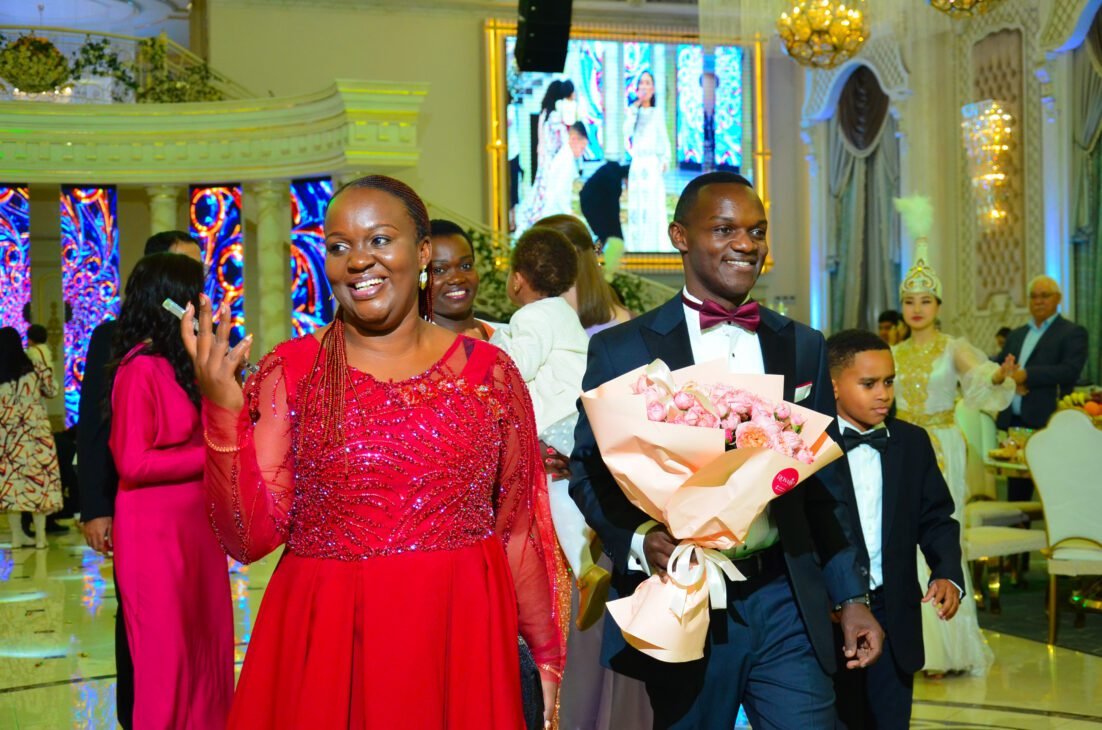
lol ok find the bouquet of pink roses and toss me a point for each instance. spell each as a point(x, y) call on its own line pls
point(748, 420)
point(702, 451)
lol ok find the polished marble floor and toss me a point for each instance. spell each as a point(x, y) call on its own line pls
point(57, 667)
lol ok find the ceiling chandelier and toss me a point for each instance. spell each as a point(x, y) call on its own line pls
point(988, 135)
point(963, 8)
point(822, 33)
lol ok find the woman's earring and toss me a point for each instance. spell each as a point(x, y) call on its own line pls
point(423, 279)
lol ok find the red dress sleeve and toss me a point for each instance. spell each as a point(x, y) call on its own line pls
point(524, 525)
point(249, 476)
point(144, 454)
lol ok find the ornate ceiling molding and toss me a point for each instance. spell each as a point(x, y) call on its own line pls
point(880, 55)
point(353, 125)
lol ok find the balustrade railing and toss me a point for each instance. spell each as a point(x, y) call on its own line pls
point(64, 65)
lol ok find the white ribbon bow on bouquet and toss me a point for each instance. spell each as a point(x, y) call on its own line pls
point(669, 620)
point(687, 574)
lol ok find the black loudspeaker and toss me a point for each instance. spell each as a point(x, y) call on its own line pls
point(543, 29)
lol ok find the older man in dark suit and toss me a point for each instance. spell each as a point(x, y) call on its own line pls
point(1051, 352)
point(773, 648)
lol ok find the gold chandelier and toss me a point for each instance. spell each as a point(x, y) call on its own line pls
point(821, 33)
point(963, 8)
point(988, 134)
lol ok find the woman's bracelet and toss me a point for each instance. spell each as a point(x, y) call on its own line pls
point(220, 449)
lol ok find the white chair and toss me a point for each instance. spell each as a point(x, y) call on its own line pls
point(979, 437)
point(983, 509)
point(987, 546)
point(1066, 460)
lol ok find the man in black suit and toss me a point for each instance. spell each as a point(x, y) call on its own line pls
point(897, 501)
point(1051, 352)
point(96, 473)
point(600, 200)
point(773, 649)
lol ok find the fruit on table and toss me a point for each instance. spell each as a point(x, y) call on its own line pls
point(1081, 400)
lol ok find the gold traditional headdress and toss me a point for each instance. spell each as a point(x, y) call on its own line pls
point(918, 216)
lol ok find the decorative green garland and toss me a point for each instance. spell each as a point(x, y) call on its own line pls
point(166, 87)
point(35, 65)
point(97, 58)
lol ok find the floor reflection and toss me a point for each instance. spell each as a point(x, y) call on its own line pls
point(57, 670)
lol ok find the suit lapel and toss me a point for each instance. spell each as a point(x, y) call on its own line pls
point(777, 338)
point(891, 469)
point(667, 336)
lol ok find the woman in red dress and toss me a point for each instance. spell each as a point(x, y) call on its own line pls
point(399, 464)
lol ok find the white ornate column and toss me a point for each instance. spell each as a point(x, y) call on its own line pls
point(163, 201)
point(272, 247)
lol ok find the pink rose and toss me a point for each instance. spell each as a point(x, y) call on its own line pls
point(791, 442)
point(762, 411)
point(692, 418)
point(732, 421)
point(656, 412)
point(640, 385)
point(742, 404)
point(798, 419)
point(782, 412)
point(805, 456)
point(684, 400)
point(755, 435)
point(707, 420)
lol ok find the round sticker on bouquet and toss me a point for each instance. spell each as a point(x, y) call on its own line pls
point(785, 480)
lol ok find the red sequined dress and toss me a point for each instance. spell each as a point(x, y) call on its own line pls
point(417, 549)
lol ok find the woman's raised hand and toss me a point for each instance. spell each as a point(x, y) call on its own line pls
point(1006, 370)
point(216, 363)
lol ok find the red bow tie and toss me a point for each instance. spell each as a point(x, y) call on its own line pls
point(747, 316)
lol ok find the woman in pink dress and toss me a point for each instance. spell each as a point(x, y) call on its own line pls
point(398, 463)
point(172, 572)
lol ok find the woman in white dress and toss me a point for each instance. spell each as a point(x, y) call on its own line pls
point(934, 370)
point(557, 112)
point(648, 143)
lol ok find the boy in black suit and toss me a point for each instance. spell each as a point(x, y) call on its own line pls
point(897, 500)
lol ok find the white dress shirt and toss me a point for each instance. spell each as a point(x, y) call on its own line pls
point(742, 351)
point(741, 348)
point(868, 489)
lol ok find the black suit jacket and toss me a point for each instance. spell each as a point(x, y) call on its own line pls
point(600, 201)
point(96, 473)
point(917, 512)
point(822, 564)
point(1052, 370)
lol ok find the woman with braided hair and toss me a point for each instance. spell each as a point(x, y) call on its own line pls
point(398, 463)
